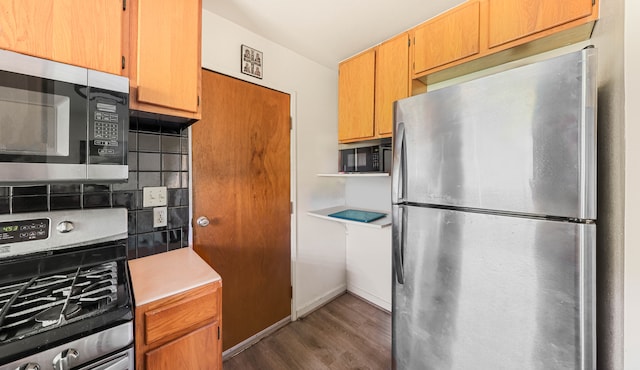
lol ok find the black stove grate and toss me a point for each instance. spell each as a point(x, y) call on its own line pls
point(43, 302)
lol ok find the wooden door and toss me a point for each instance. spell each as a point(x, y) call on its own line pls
point(449, 37)
point(392, 80)
point(510, 19)
point(78, 32)
point(356, 82)
point(241, 181)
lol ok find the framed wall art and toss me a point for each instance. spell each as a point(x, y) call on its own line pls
point(251, 62)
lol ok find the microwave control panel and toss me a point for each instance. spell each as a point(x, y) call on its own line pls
point(108, 112)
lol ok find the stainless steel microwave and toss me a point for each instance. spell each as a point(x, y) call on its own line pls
point(365, 158)
point(60, 122)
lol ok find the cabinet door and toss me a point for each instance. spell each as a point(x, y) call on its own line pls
point(168, 50)
point(447, 38)
point(356, 82)
point(79, 32)
point(513, 19)
point(392, 81)
point(199, 349)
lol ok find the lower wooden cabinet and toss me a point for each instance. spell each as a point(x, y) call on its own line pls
point(191, 351)
point(181, 331)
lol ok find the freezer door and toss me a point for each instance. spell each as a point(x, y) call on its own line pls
point(523, 140)
point(484, 291)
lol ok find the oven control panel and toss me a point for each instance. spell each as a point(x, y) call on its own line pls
point(24, 230)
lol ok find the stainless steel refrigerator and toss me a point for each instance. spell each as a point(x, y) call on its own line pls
point(494, 221)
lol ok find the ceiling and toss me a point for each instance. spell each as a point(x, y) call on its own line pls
point(328, 31)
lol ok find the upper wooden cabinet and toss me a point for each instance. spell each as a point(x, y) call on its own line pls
point(356, 82)
point(392, 81)
point(368, 84)
point(165, 52)
point(510, 20)
point(79, 32)
point(449, 37)
point(479, 34)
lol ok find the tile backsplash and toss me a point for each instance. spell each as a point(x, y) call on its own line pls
point(158, 156)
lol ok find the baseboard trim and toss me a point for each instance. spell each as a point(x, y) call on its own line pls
point(321, 301)
point(254, 339)
point(370, 298)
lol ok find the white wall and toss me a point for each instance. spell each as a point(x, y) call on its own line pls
point(632, 196)
point(318, 255)
point(369, 264)
point(369, 250)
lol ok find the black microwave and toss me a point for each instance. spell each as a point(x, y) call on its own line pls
point(374, 158)
point(60, 122)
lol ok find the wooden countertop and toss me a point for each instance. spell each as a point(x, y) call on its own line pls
point(165, 274)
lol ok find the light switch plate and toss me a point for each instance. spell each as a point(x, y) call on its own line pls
point(154, 196)
point(160, 217)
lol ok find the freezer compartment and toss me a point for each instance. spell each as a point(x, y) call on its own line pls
point(523, 140)
point(483, 291)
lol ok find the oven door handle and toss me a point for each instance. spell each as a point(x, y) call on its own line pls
point(121, 363)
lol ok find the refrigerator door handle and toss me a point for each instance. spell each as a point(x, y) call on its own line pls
point(397, 184)
point(398, 241)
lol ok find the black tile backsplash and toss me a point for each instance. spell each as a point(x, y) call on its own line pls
point(4, 205)
point(148, 142)
point(96, 200)
point(69, 201)
point(65, 189)
point(149, 161)
point(149, 179)
point(157, 157)
point(35, 203)
point(30, 190)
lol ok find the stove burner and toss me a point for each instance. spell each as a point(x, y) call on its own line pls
point(54, 315)
point(34, 305)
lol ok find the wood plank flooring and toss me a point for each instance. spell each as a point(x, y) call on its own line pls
point(347, 333)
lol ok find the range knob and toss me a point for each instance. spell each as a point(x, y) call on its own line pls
point(29, 366)
point(64, 227)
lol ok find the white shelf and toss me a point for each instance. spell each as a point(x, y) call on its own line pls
point(362, 174)
point(377, 224)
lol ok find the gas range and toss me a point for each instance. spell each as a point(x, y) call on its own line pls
point(65, 299)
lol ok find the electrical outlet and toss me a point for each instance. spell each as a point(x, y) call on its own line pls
point(154, 196)
point(160, 217)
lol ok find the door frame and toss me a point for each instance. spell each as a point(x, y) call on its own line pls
point(293, 231)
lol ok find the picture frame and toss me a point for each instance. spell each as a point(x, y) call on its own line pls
point(251, 61)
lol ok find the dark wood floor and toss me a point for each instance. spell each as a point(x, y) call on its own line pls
point(347, 333)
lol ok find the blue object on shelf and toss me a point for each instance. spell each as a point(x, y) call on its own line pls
point(356, 215)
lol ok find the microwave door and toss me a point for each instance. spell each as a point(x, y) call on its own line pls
point(44, 129)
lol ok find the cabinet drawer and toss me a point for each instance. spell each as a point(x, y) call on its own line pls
point(166, 321)
point(193, 351)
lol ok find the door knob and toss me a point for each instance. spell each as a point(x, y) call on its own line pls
point(202, 221)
